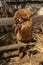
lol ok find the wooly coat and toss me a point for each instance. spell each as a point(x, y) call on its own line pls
point(22, 17)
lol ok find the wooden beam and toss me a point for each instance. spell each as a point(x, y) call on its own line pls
point(6, 21)
point(11, 21)
point(14, 46)
point(38, 18)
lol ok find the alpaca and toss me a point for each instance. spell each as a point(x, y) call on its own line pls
point(24, 25)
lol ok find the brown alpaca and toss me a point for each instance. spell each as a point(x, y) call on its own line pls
point(24, 34)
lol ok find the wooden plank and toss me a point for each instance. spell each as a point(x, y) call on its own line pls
point(6, 21)
point(23, 0)
point(37, 19)
point(11, 21)
point(14, 46)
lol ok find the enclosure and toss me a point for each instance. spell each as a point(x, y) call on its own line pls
point(11, 52)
